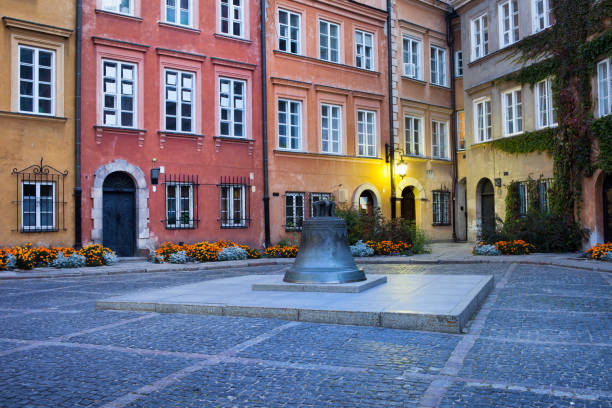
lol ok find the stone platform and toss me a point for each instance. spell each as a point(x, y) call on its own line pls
point(273, 283)
point(442, 303)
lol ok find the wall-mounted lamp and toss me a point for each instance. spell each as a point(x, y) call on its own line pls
point(155, 176)
point(401, 168)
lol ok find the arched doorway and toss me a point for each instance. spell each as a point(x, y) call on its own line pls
point(366, 202)
point(607, 207)
point(486, 198)
point(119, 213)
point(408, 211)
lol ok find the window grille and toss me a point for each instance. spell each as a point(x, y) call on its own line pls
point(235, 202)
point(441, 200)
point(314, 197)
point(182, 199)
point(294, 211)
point(40, 198)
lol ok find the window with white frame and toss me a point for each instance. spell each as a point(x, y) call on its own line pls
point(458, 63)
point(119, 6)
point(294, 211)
point(546, 114)
point(36, 80)
point(37, 206)
point(512, 105)
point(604, 88)
point(482, 120)
point(364, 50)
point(508, 23)
point(544, 186)
point(119, 93)
point(480, 37)
point(439, 139)
point(233, 206)
point(331, 128)
point(412, 58)
point(179, 205)
point(440, 201)
point(523, 189)
point(179, 12)
point(289, 124)
point(366, 133)
point(232, 102)
point(179, 101)
point(329, 41)
point(232, 17)
point(542, 15)
point(413, 129)
point(438, 66)
point(460, 130)
point(314, 197)
point(289, 26)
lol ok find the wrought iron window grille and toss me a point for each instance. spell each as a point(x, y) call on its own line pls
point(441, 207)
point(294, 222)
point(178, 215)
point(41, 210)
point(234, 202)
point(314, 197)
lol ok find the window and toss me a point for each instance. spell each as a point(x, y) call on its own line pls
point(440, 207)
point(119, 6)
point(461, 130)
point(458, 64)
point(37, 209)
point(331, 132)
point(366, 133)
point(542, 15)
point(289, 32)
point(412, 58)
point(438, 66)
point(179, 101)
point(604, 88)
point(233, 212)
point(314, 197)
point(36, 80)
point(439, 136)
point(508, 23)
point(545, 109)
point(233, 107)
point(480, 37)
point(329, 41)
point(179, 205)
point(523, 188)
point(544, 187)
point(119, 93)
point(179, 12)
point(294, 211)
point(413, 139)
point(364, 50)
point(232, 17)
point(512, 106)
point(482, 117)
point(289, 124)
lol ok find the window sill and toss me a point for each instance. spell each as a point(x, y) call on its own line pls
point(180, 228)
point(165, 134)
point(490, 55)
point(415, 80)
point(220, 140)
point(445, 87)
point(325, 63)
point(441, 225)
point(33, 116)
point(323, 155)
point(36, 230)
point(234, 227)
point(102, 129)
point(120, 15)
point(232, 38)
point(179, 27)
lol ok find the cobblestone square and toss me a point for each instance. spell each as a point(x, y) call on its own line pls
point(543, 338)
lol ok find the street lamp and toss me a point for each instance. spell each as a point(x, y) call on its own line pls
point(401, 168)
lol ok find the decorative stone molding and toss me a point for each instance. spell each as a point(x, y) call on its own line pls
point(219, 140)
point(412, 182)
point(101, 130)
point(363, 187)
point(165, 135)
point(142, 198)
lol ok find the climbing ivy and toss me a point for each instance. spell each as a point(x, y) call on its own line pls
point(528, 142)
point(602, 131)
point(535, 73)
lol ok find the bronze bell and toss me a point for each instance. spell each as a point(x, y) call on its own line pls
point(324, 255)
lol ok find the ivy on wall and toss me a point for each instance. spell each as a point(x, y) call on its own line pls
point(602, 131)
point(528, 142)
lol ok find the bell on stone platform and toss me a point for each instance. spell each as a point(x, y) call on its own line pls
point(324, 255)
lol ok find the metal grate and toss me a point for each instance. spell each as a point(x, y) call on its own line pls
point(40, 198)
point(182, 201)
point(235, 202)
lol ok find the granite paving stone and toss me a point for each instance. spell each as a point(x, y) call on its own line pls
point(516, 298)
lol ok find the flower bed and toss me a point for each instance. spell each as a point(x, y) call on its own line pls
point(516, 247)
point(28, 257)
point(281, 251)
point(200, 252)
point(602, 252)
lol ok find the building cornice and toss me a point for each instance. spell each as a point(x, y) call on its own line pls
point(11, 22)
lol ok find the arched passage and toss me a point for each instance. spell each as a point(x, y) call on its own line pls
point(408, 207)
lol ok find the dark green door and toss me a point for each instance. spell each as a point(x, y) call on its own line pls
point(607, 199)
point(487, 206)
point(119, 214)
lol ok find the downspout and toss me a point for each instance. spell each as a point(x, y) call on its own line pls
point(450, 40)
point(391, 151)
point(77, 130)
point(264, 107)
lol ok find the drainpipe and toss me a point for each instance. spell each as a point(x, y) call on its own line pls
point(264, 107)
point(451, 48)
point(77, 130)
point(391, 118)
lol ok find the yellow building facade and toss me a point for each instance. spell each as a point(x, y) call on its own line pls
point(37, 122)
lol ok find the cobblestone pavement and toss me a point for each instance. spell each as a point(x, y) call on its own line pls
point(543, 338)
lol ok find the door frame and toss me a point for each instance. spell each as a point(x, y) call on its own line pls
point(607, 185)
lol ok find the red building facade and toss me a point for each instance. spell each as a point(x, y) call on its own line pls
point(173, 93)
